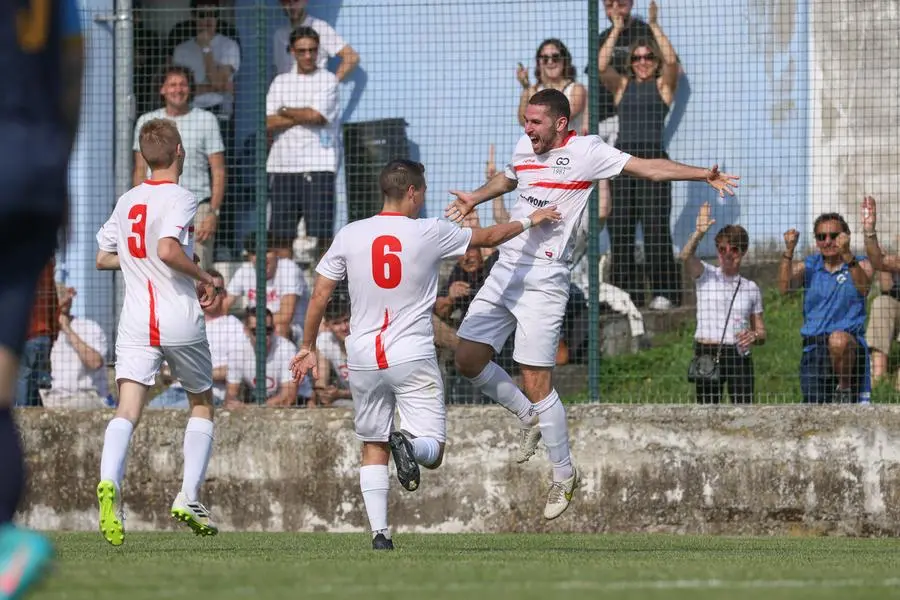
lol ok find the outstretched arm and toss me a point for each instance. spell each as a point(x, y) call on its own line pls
point(465, 202)
point(488, 237)
point(662, 169)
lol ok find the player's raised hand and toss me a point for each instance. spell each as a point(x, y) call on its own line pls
point(459, 207)
point(704, 222)
point(722, 182)
point(869, 214)
point(543, 215)
point(303, 362)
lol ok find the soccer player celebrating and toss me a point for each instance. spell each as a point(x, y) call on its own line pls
point(528, 287)
point(150, 238)
point(391, 262)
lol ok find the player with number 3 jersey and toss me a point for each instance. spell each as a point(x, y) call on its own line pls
point(391, 262)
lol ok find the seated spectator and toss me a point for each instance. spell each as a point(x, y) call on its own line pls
point(331, 43)
point(287, 294)
point(729, 311)
point(835, 362)
point(77, 362)
point(333, 384)
point(34, 366)
point(225, 334)
point(281, 390)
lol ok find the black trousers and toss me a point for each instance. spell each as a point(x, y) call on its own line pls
point(736, 372)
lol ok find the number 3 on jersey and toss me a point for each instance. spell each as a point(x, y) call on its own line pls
point(137, 244)
point(387, 270)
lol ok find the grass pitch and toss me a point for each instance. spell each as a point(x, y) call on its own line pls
point(470, 567)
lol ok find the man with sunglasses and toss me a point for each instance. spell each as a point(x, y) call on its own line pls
point(332, 44)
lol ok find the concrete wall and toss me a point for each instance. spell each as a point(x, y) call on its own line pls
point(756, 470)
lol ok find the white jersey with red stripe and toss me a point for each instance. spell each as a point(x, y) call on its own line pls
point(563, 177)
point(161, 306)
point(391, 263)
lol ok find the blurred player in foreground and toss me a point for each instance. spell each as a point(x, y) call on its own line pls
point(528, 287)
point(149, 236)
point(391, 262)
point(41, 58)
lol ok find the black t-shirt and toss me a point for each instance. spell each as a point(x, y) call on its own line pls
point(635, 30)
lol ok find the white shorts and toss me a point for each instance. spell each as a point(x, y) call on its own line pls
point(191, 365)
point(528, 299)
point(414, 388)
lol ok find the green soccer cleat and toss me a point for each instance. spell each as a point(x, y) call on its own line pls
point(194, 515)
point(111, 517)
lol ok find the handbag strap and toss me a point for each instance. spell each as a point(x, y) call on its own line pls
point(727, 317)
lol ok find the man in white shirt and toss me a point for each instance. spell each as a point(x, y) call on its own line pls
point(332, 386)
point(391, 262)
point(77, 362)
point(332, 43)
point(302, 114)
point(149, 237)
point(204, 154)
point(528, 287)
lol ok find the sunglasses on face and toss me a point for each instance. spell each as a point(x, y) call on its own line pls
point(727, 250)
point(269, 331)
point(207, 14)
point(635, 58)
point(833, 235)
point(547, 58)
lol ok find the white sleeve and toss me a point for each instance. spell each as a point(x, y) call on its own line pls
point(288, 279)
point(237, 361)
point(107, 237)
point(334, 264)
point(137, 132)
point(231, 55)
point(510, 170)
point(756, 306)
point(273, 97)
point(93, 335)
point(452, 240)
point(604, 161)
point(708, 269)
point(213, 138)
point(236, 285)
point(329, 40)
point(326, 102)
point(179, 219)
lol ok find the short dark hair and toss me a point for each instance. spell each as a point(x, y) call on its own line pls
point(215, 274)
point(736, 237)
point(398, 175)
point(251, 312)
point(195, 4)
point(250, 242)
point(300, 33)
point(555, 101)
point(832, 216)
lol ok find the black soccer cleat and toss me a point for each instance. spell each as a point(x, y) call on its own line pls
point(404, 460)
point(379, 542)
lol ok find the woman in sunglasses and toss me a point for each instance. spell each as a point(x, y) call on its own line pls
point(835, 362)
point(729, 312)
point(642, 99)
point(553, 69)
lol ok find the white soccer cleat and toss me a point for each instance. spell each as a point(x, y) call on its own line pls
point(529, 438)
point(560, 495)
point(194, 515)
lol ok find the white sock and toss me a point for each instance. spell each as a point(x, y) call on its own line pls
point(115, 451)
point(497, 385)
point(426, 450)
point(198, 439)
point(374, 483)
point(555, 434)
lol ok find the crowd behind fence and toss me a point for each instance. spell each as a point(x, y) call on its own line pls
point(288, 112)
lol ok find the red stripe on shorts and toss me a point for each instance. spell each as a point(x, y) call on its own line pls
point(380, 356)
point(154, 319)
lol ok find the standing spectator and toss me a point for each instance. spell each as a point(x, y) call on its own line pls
point(332, 43)
point(642, 98)
point(302, 114)
point(333, 384)
point(77, 362)
point(835, 362)
point(729, 311)
point(204, 154)
point(34, 367)
point(553, 69)
point(287, 293)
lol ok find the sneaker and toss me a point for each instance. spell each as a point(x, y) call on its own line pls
point(404, 460)
point(529, 438)
point(24, 557)
point(560, 495)
point(660, 303)
point(112, 518)
point(380, 542)
point(194, 515)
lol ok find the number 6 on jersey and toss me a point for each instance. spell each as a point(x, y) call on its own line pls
point(387, 270)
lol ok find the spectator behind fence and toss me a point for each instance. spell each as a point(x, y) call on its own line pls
point(642, 98)
point(225, 334)
point(204, 155)
point(884, 316)
point(332, 386)
point(287, 293)
point(34, 367)
point(331, 43)
point(553, 69)
point(729, 312)
point(302, 111)
point(835, 362)
point(149, 61)
point(280, 387)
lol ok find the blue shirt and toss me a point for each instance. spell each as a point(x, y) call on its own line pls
point(831, 302)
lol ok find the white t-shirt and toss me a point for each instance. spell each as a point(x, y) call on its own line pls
point(714, 292)
point(328, 346)
point(391, 263)
point(161, 306)
point(68, 372)
point(304, 148)
point(278, 372)
point(200, 137)
point(225, 51)
point(226, 338)
point(330, 43)
point(563, 177)
point(288, 279)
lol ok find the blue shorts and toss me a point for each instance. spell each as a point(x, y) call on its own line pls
point(818, 380)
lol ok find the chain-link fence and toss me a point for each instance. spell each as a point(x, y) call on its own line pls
point(289, 110)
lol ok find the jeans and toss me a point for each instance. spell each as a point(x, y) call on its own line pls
point(34, 371)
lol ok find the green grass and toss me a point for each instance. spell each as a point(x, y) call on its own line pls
point(470, 567)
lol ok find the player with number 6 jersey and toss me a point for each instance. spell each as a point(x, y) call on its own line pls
point(391, 262)
point(149, 236)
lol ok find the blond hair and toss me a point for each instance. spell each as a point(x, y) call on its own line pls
point(159, 140)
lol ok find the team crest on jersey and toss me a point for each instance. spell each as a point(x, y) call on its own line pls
point(561, 166)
